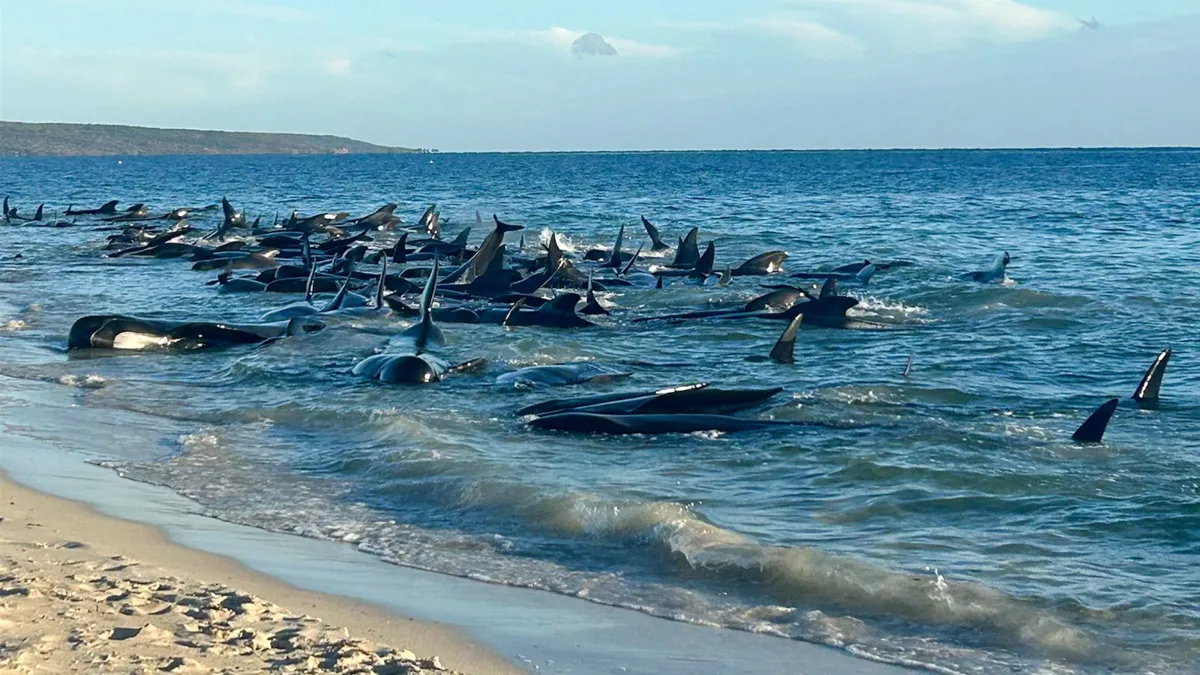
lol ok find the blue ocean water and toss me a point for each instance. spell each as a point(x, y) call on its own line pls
point(949, 524)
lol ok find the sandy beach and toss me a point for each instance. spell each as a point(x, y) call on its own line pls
point(85, 593)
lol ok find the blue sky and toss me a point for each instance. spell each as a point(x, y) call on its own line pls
point(488, 75)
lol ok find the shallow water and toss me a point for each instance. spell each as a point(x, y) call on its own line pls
point(948, 522)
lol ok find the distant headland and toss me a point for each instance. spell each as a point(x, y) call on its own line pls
point(21, 139)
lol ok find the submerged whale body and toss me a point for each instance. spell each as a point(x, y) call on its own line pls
point(696, 398)
point(591, 423)
point(559, 375)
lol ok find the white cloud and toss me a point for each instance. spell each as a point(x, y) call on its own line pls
point(279, 13)
point(944, 23)
point(337, 66)
point(562, 39)
point(811, 35)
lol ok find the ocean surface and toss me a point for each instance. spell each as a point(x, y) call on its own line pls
point(944, 520)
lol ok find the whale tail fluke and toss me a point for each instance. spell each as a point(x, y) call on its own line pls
point(656, 242)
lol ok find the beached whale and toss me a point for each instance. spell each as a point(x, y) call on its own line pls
point(115, 331)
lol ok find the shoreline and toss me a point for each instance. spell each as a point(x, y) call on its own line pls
point(43, 427)
point(53, 543)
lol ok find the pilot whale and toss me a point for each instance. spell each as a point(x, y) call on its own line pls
point(115, 331)
point(994, 273)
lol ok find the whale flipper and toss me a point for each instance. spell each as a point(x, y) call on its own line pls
point(468, 366)
point(1092, 430)
point(785, 349)
point(656, 242)
point(908, 367)
point(430, 222)
point(1148, 389)
point(632, 261)
point(508, 318)
point(704, 266)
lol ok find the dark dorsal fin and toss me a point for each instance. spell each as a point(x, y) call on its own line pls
point(497, 262)
point(109, 207)
point(312, 280)
point(478, 219)
point(40, 210)
point(656, 242)
point(228, 210)
point(614, 259)
point(704, 265)
point(593, 305)
point(6, 208)
point(521, 245)
point(564, 303)
point(1092, 431)
point(554, 256)
point(1148, 389)
point(382, 287)
point(659, 284)
point(400, 250)
point(461, 239)
point(785, 349)
point(689, 249)
point(908, 366)
point(425, 326)
point(632, 260)
point(828, 289)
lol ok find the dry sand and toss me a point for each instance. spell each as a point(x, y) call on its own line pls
point(84, 593)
